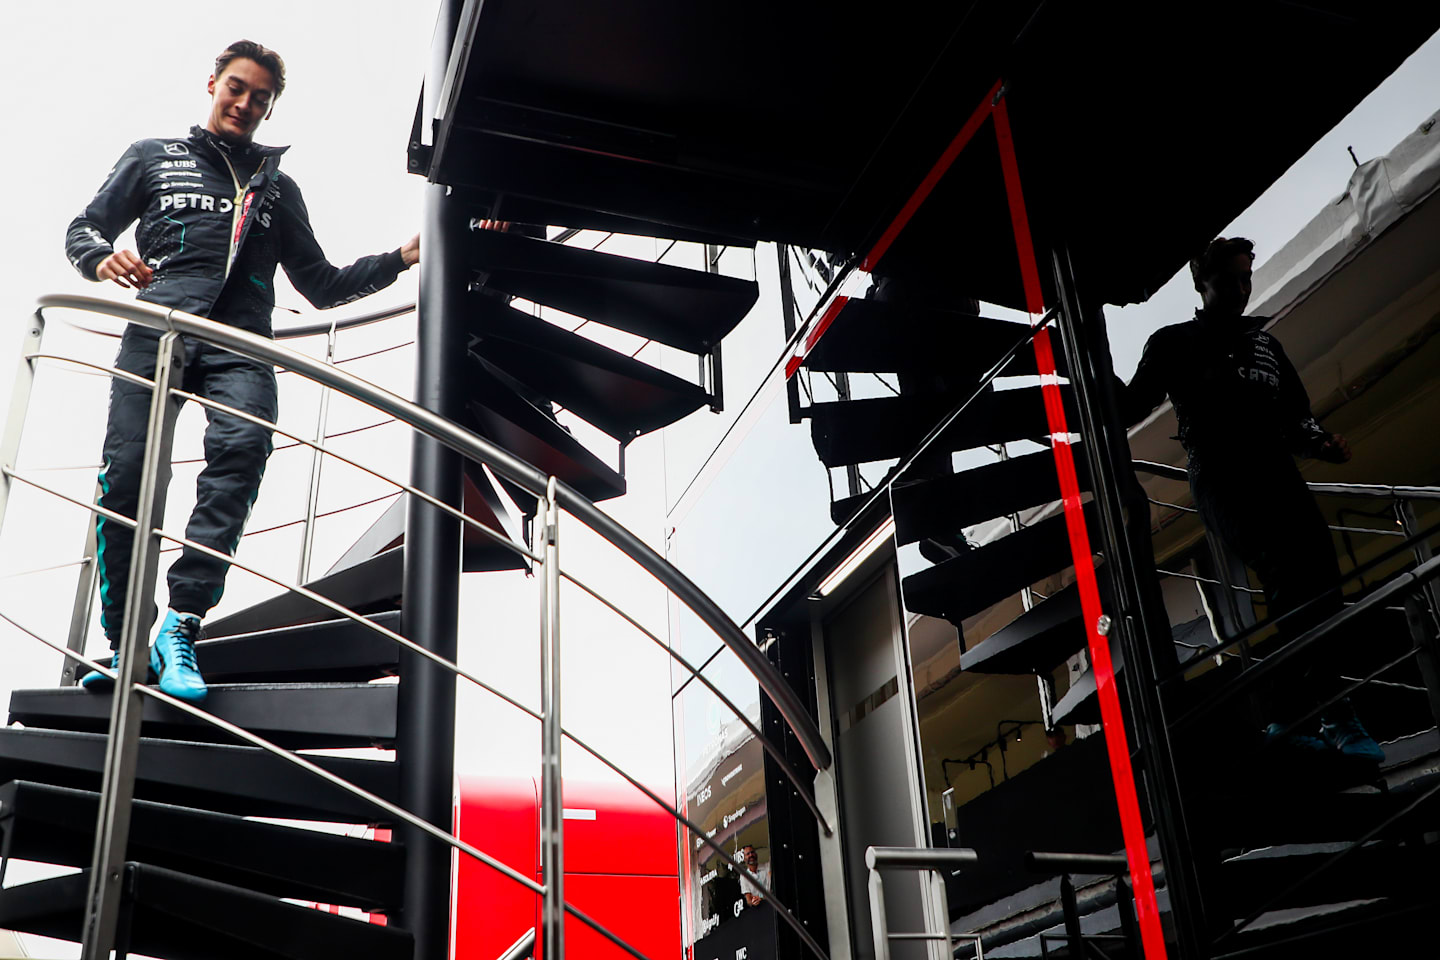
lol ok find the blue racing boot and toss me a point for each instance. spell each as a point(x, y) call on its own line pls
point(97, 682)
point(1297, 745)
point(1348, 735)
point(173, 657)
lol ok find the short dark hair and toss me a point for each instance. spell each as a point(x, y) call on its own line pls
point(250, 50)
point(1216, 254)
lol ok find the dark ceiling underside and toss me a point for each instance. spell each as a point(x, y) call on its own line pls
point(1141, 128)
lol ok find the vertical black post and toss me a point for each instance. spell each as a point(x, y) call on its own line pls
point(1144, 628)
point(425, 740)
point(1070, 910)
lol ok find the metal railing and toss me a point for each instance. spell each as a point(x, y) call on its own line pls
point(1416, 585)
point(1403, 498)
point(122, 749)
point(932, 861)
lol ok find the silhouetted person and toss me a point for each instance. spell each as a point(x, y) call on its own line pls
point(1244, 416)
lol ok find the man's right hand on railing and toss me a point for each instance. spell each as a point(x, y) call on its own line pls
point(125, 268)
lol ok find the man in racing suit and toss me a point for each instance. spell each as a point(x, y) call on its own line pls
point(1244, 416)
point(216, 216)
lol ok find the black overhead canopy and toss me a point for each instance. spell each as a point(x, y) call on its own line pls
point(1141, 129)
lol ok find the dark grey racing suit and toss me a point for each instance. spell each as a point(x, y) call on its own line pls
point(215, 219)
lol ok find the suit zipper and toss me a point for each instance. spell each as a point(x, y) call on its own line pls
point(237, 210)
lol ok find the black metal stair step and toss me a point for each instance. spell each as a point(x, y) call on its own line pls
point(518, 209)
point(1305, 815)
point(1037, 641)
point(326, 651)
point(883, 428)
point(687, 309)
point(871, 336)
point(51, 824)
point(498, 413)
point(1359, 929)
point(480, 501)
point(928, 507)
point(242, 780)
point(182, 917)
point(965, 585)
point(620, 395)
point(1371, 872)
point(372, 587)
point(368, 578)
point(293, 715)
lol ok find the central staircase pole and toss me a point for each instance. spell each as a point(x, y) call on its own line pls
point(426, 723)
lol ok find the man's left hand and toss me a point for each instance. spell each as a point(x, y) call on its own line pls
point(1335, 450)
point(410, 251)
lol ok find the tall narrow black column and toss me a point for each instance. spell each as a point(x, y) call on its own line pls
point(1139, 609)
point(426, 727)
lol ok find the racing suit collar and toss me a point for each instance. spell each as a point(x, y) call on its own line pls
point(1229, 323)
point(200, 135)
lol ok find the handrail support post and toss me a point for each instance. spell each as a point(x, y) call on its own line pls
point(122, 750)
point(552, 810)
point(317, 463)
point(1423, 622)
point(20, 392)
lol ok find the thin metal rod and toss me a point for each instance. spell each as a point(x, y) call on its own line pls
point(82, 603)
point(54, 566)
point(699, 833)
point(1296, 613)
point(99, 368)
point(341, 783)
point(345, 612)
point(1418, 577)
point(119, 518)
point(349, 323)
point(256, 347)
point(20, 391)
point(294, 759)
point(705, 838)
point(414, 491)
point(520, 949)
point(879, 931)
point(552, 804)
point(317, 462)
point(1198, 579)
point(919, 858)
point(1354, 684)
point(1361, 490)
point(791, 774)
point(1330, 862)
point(122, 747)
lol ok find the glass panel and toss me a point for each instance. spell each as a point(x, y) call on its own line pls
point(721, 772)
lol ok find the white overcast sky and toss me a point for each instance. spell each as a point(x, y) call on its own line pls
point(84, 79)
point(89, 78)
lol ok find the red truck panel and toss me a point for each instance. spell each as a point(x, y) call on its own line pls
point(643, 911)
point(500, 817)
point(619, 869)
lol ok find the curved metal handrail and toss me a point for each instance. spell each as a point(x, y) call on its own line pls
point(513, 468)
point(700, 833)
point(308, 765)
point(1379, 491)
point(315, 329)
point(769, 746)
